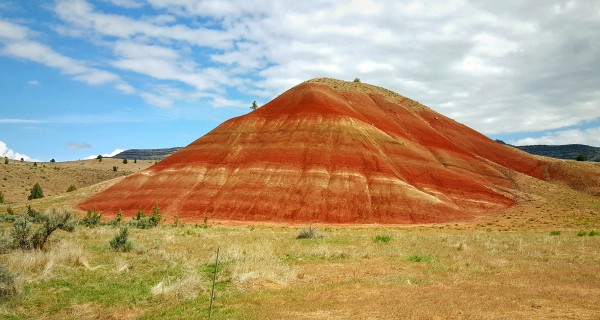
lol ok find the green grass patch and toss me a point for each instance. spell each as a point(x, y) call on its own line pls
point(555, 233)
point(382, 239)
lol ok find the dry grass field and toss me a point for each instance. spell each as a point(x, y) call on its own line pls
point(539, 259)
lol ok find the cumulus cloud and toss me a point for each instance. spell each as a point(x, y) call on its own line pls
point(114, 153)
point(517, 66)
point(590, 136)
point(5, 151)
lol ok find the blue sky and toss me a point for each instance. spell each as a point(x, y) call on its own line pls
point(81, 77)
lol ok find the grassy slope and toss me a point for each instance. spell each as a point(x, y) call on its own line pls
point(17, 178)
point(502, 265)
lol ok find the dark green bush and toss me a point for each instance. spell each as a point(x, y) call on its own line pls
point(1, 197)
point(36, 192)
point(71, 188)
point(121, 241)
point(91, 219)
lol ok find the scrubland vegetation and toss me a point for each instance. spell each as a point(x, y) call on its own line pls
point(269, 272)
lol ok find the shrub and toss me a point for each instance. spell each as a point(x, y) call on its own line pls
point(52, 160)
point(142, 223)
point(581, 157)
point(34, 215)
point(71, 188)
point(1, 197)
point(115, 168)
point(254, 106)
point(357, 80)
point(35, 164)
point(156, 216)
point(124, 161)
point(22, 237)
point(53, 222)
point(382, 239)
point(91, 219)
point(7, 283)
point(593, 233)
point(581, 233)
point(121, 241)
point(5, 160)
point(36, 192)
point(139, 214)
point(134, 160)
point(118, 219)
point(20, 233)
point(99, 157)
point(555, 233)
point(10, 210)
point(310, 233)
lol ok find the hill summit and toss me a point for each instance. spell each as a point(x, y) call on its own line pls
point(331, 151)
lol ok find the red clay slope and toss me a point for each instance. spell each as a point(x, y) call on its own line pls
point(330, 151)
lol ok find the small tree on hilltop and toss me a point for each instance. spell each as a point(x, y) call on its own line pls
point(36, 192)
point(357, 80)
point(124, 161)
point(99, 157)
point(254, 106)
point(52, 160)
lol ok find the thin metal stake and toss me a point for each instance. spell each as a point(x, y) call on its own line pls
point(212, 293)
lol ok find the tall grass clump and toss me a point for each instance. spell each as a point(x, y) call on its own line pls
point(309, 233)
point(7, 283)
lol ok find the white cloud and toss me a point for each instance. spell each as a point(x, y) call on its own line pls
point(589, 136)
point(127, 3)
point(515, 66)
point(18, 45)
point(9, 153)
point(33, 82)
point(114, 153)
point(83, 15)
point(78, 145)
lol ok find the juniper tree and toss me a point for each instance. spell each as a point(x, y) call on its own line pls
point(36, 192)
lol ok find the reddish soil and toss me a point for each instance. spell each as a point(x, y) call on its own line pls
point(335, 152)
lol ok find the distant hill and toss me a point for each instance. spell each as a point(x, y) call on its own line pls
point(567, 151)
point(147, 154)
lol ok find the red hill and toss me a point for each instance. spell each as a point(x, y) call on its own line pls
point(330, 151)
